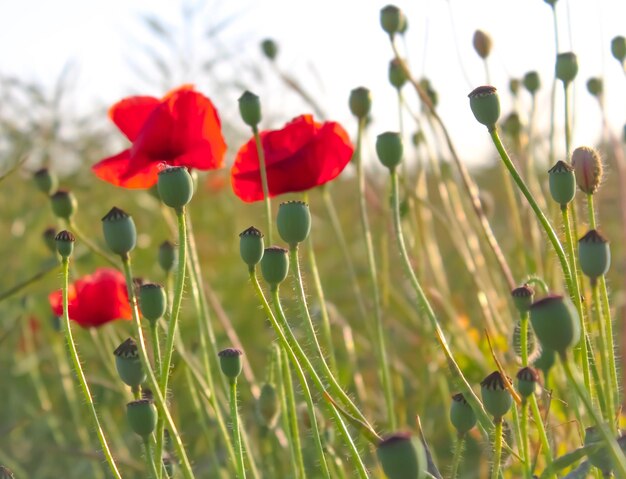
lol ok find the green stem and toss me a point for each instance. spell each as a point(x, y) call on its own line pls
point(543, 437)
point(525, 440)
point(79, 372)
point(156, 347)
point(90, 244)
point(266, 191)
point(281, 360)
point(567, 121)
point(29, 281)
point(150, 458)
point(604, 386)
point(292, 413)
point(497, 449)
point(456, 459)
point(234, 416)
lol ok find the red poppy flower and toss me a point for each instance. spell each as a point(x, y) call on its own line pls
point(301, 156)
point(182, 129)
point(95, 299)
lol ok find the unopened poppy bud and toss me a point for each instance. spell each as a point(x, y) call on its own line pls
point(552, 3)
point(167, 255)
point(562, 183)
point(462, 415)
point(485, 105)
point(594, 255)
point(600, 457)
point(389, 149)
point(5, 473)
point(512, 125)
point(392, 19)
point(250, 109)
point(496, 397)
point(618, 48)
point(527, 379)
point(230, 362)
point(523, 298)
point(588, 169)
point(531, 343)
point(531, 82)
point(45, 181)
point(360, 102)
point(545, 361)
point(49, 235)
point(268, 405)
point(269, 48)
point(555, 322)
point(293, 222)
point(595, 86)
point(63, 204)
point(251, 246)
point(275, 265)
point(142, 416)
point(152, 301)
point(482, 43)
point(175, 186)
point(566, 67)
point(65, 243)
point(397, 76)
point(119, 231)
point(514, 84)
point(128, 363)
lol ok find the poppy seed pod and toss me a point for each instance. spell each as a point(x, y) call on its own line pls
point(587, 168)
point(566, 67)
point(293, 222)
point(552, 3)
point(45, 181)
point(49, 235)
point(531, 82)
point(594, 254)
point(485, 105)
point(275, 265)
point(562, 183)
point(618, 48)
point(175, 186)
point(389, 149)
point(514, 84)
point(269, 48)
point(402, 457)
point(555, 322)
point(230, 362)
point(152, 301)
point(250, 109)
point(523, 298)
point(63, 204)
point(545, 361)
point(65, 243)
point(429, 90)
point(5, 473)
point(142, 416)
point(360, 102)
point(119, 231)
point(512, 125)
point(527, 379)
point(268, 405)
point(392, 19)
point(595, 86)
point(496, 398)
point(397, 76)
point(166, 256)
point(482, 43)
point(251, 246)
point(128, 364)
point(462, 415)
point(601, 457)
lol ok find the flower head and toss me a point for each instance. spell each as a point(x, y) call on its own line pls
point(302, 155)
point(181, 129)
point(95, 299)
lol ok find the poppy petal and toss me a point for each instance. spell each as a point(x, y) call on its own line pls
point(117, 170)
point(130, 114)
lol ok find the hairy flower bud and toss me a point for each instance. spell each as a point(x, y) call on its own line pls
point(587, 168)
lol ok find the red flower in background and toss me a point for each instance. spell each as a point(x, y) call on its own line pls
point(182, 129)
point(301, 156)
point(95, 299)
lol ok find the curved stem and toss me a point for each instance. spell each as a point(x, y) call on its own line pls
point(458, 451)
point(264, 185)
point(497, 449)
point(150, 458)
point(234, 416)
point(543, 437)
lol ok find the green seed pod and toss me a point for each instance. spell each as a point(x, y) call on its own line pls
point(119, 231)
point(268, 405)
point(618, 48)
point(389, 149)
point(482, 43)
point(65, 243)
point(402, 457)
point(128, 363)
point(167, 255)
point(587, 168)
point(512, 125)
point(275, 265)
point(397, 76)
point(601, 457)
point(392, 19)
point(527, 379)
point(552, 3)
point(269, 48)
point(485, 105)
point(595, 86)
point(556, 323)
point(562, 183)
point(230, 362)
point(594, 254)
point(417, 138)
point(175, 186)
point(142, 416)
point(49, 235)
point(545, 361)
point(45, 181)
point(152, 301)
point(514, 85)
point(360, 102)
point(496, 398)
point(531, 82)
point(429, 90)
point(566, 67)
point(5, 473)
point(293, 222)
point(523, 298)
point(250, 109)
point(63, 204)
point(251, 246)
point(462, 415)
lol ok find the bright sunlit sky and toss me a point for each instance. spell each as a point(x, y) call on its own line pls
point(329, 46)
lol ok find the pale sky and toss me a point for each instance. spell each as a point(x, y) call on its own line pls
point(330, 46)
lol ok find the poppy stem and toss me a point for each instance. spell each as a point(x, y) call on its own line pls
point(234, 415)
point(149, 458)
point(458, 451)
point(73, 352)
point(266, 191)
point(497, 449)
